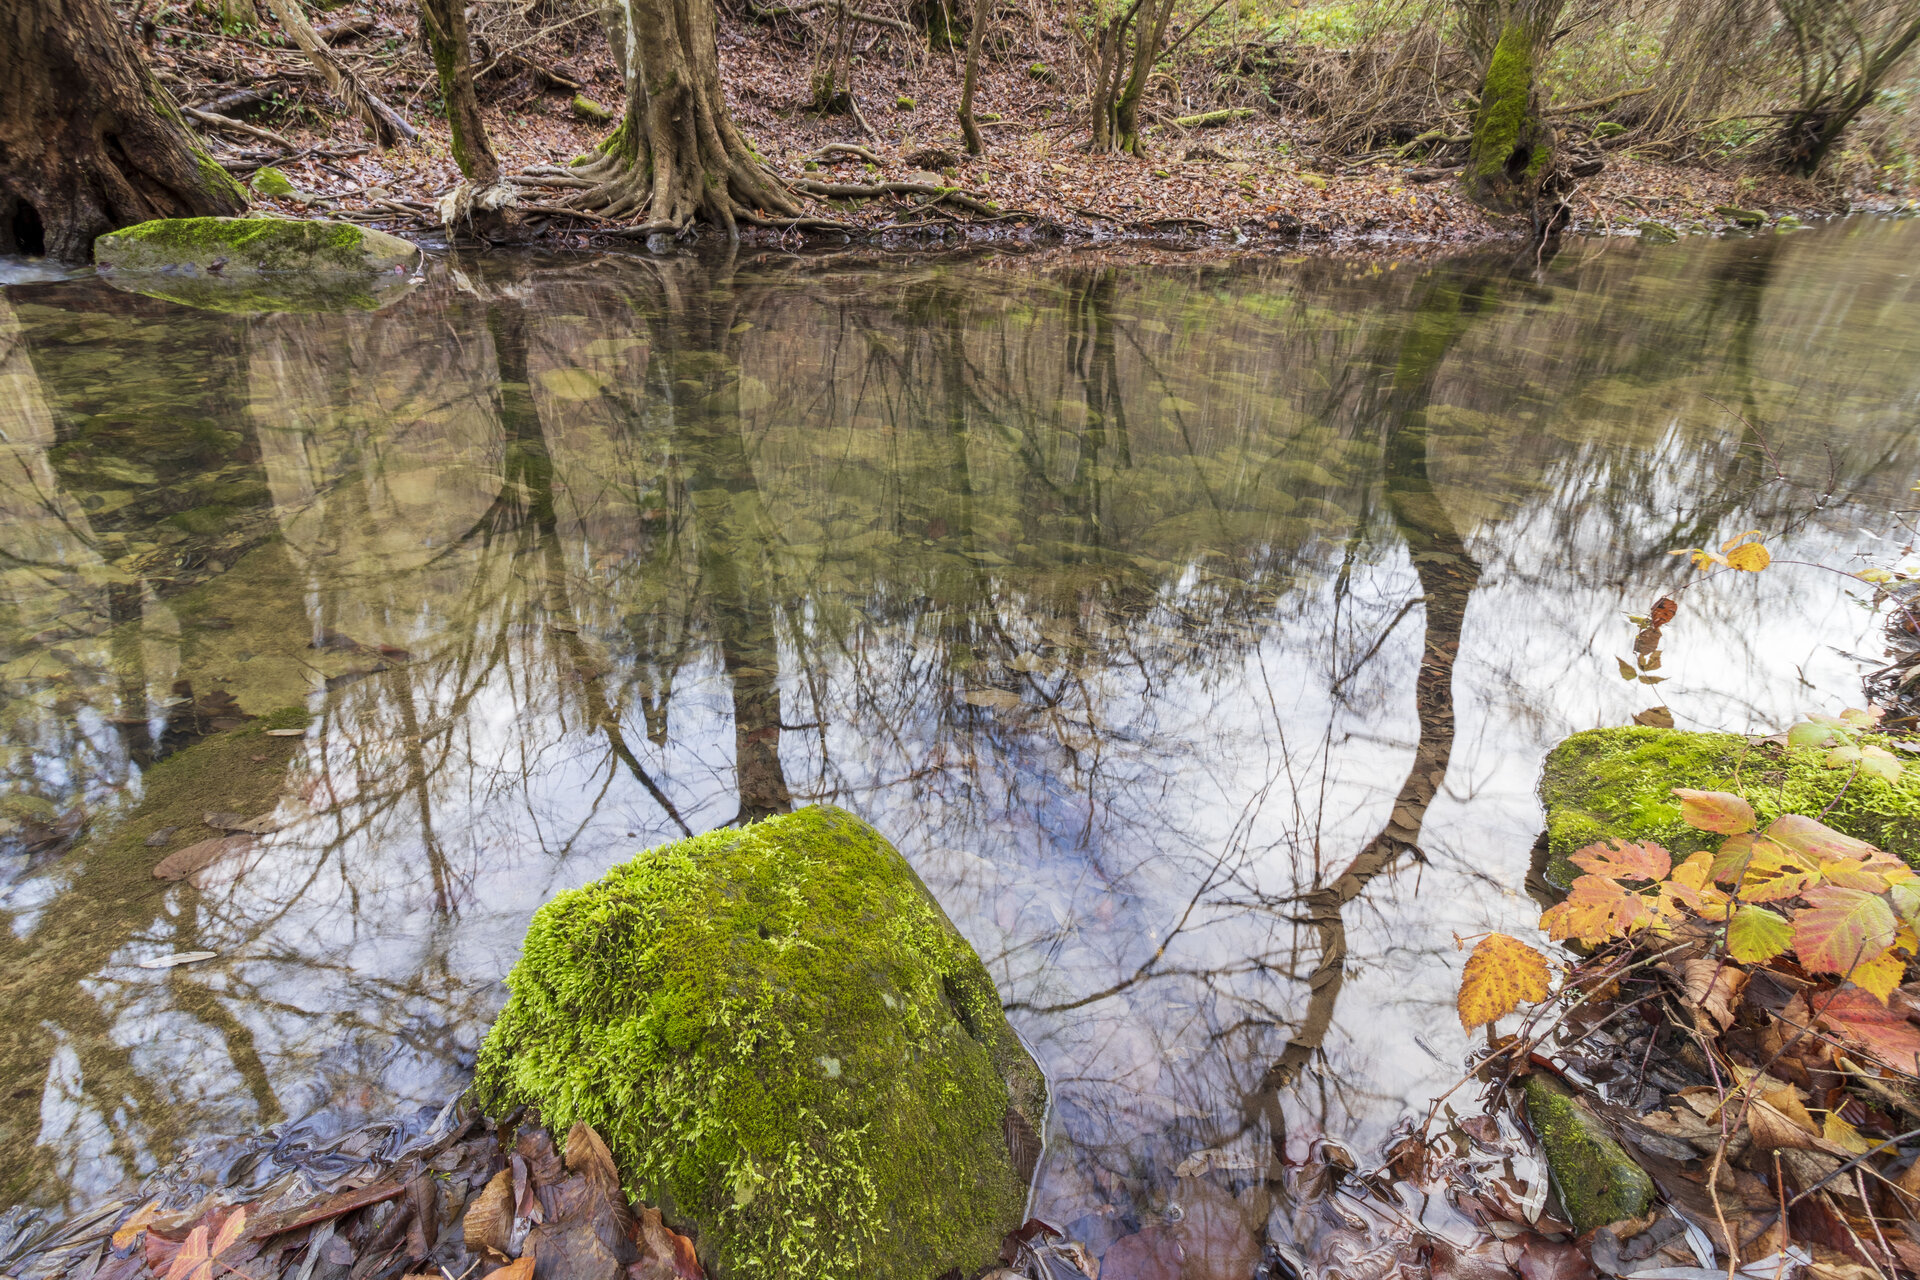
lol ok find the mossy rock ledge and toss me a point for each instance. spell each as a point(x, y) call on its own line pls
point(788, 1048)
point(1597, 1180)
point(1617, 784)
point(258, 264)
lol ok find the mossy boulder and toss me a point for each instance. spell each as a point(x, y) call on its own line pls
point(1597, 1180)
point(788, 1048)
point(269, 181)
point(1617, 784)
point(236, 246)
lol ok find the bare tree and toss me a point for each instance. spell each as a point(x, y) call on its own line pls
point(1844, 51)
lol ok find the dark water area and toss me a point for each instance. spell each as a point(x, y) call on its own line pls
point(1196, 630)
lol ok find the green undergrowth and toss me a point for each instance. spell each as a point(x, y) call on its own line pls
point(1617, 784)
point(787, 1046)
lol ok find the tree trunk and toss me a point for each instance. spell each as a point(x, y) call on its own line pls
point(389, 129)
point(1512, 158)
point(445, 24)
point(968, 128)
point(89, 142)
point(676, 155)
point(1149, 33)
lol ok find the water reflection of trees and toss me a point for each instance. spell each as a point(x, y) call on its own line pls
point(1131, 603)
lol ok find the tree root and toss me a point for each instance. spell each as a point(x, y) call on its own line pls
point(857, 190)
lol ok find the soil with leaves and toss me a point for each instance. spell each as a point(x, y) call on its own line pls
point(887, 161)
point(1744, 1023)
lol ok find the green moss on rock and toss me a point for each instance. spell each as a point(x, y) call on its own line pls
point(228, 247)
point(787, 1046)
point(269, 181)
point(1597, 1180)
point(1617, 784)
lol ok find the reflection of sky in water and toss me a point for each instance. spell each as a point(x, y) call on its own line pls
point(1092, 589)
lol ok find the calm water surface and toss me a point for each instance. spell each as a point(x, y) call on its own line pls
point(1196, 630)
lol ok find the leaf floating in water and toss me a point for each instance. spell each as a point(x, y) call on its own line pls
point(177, 959)
point(182, 863)
point(260, 826)
point(286, 733)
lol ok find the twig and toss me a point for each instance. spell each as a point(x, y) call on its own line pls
point(237, 126)
point(1597, 103)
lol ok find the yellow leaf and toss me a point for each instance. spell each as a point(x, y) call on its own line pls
point(1737, 539)
point(1502, 974)
point(1879, 975)
point(1841, 1134)
point(130, 1229)
point(1750, 556)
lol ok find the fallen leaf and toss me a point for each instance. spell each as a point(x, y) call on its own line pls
point(1815, 839)
point(177, 958)
point(1654, 718)
point(665, 1254)
point(489, 1222)
point(1857, 1017)
point(1710, 986)
point(130, 1230)
point(1836, 1130)
point(182, 863)
point(519, 1269)
point(1542, 1259)
point(1624, 860)
point(1842, 928)
point(1719, 811)
point(191, 1255)
point(1501, 974)
point(1757, 935)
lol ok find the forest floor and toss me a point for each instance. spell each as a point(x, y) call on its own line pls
point(1259, 179)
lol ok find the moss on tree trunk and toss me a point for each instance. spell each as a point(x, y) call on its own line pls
point(89, 142)
point(445, 24)
point(1512, 154)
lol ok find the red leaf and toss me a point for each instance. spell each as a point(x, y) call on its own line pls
point(1843, 928)
point(1859, 1019)
point(1817, 840)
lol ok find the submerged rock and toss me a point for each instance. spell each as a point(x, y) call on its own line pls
point(1617, 784)
point(787, 1047)
point(258, 264)
point(1597, 1180)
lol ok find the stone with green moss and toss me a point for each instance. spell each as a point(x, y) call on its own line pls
point(1617, 784)
point(1597, 1180)
point(249, 265)
point(269, 181)
point(788, 1048)
point(227, 247)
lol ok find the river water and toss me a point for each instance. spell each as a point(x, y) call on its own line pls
point(1196, 627)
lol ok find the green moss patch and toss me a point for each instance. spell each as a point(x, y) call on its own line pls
point(1597, 1180)
point(787, 1046)
point(1617, 784)
point(234, 246)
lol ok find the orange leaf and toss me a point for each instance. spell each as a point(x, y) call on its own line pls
point(1502, 974)
point(1843, 928)
point(1720, 811)
point(1595, 910)
point(190, 1256)
point(130, 1229)
point(1862, 1020)
point(1624, 860)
